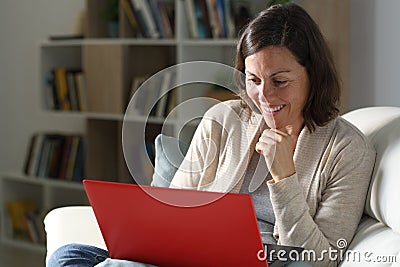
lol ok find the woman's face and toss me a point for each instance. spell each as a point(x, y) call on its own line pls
point(278, 86)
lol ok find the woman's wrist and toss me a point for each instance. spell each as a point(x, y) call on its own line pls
point(277, 178)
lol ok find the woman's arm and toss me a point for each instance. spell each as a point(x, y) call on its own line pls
point(200, 164)
point(339, 208)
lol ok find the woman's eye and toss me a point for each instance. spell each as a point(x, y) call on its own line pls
point(251, 81)
point(280, 83)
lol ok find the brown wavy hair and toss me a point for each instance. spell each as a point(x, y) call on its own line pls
point(290, 26)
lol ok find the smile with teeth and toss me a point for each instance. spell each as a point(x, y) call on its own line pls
point(273, 109)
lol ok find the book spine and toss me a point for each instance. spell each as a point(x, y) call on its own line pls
point(81, 91)
point(143, 6)
point(221, 17)
point(190, 11)
point(77, 175)
point(130, 13)
point(167, 17)
point(72, 158)
point(155, 11)
point(62, 88)
point(72, 92)
point(166, 82)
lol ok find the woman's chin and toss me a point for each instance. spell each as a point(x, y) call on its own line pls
point(269, 120)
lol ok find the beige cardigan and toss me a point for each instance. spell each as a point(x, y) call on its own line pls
point(319, 205)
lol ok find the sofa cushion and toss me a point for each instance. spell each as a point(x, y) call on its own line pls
point(374, 244)
point(382, 126)
point(169, 154)
point(384, 192)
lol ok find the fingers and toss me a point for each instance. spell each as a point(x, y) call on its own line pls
point(272, 135)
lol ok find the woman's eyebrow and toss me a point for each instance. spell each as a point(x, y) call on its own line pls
point(279, 72)
point(249, 73)
point(272, 75)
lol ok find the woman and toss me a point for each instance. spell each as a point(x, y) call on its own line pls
point(318, 166)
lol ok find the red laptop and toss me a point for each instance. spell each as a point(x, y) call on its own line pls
point(173, 227)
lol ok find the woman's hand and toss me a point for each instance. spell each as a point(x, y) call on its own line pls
point(277, 148)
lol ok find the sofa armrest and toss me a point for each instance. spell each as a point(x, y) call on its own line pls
point(75, 224)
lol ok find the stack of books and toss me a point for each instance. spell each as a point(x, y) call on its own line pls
point(26, 221)
point(151, 18)
point(57, 156)
point(67, 89)
point(156, 96)
point(217, 18)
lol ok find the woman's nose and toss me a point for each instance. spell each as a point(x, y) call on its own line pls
point(266, 89)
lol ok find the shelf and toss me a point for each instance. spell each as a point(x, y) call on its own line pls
point(20, 177)
point(24, 245)
point(209, 42)
point(141, 42)
point(111, 41)
point(112, 117)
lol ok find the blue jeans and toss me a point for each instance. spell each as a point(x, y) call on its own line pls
point(78, 255)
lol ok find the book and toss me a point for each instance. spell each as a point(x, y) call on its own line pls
point(17, 210)
point(29, 157)
point(56, 156)
point(213, 18)
point(130, 14)
point(77, 174)
point(43, 157)
point(171, 102)
point(35, 226)
point(60, 78)
point(72, 158)
point(202, 18)
point(139, 16)
point(34, 158)
point(156, 13)
point(81, 91)
point(149, 19)
point(165, 86)
point(191, 17)
point(167, 13)
point(138, 101)
point(152, 87)
point(72, 92)
point(229, 20)
point(144, 18)
point(220, 6)
point(65, 157)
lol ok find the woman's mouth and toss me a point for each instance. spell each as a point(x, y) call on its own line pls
point(272, 110)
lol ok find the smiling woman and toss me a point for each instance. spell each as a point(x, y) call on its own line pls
point(316, 165)
point(293, 30)
point(278, 86)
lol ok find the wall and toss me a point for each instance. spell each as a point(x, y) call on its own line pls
point(23, 25)
point(375, 55)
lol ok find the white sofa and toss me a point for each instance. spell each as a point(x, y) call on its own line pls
point(377, 241)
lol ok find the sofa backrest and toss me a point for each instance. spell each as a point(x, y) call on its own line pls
point(381, 125)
